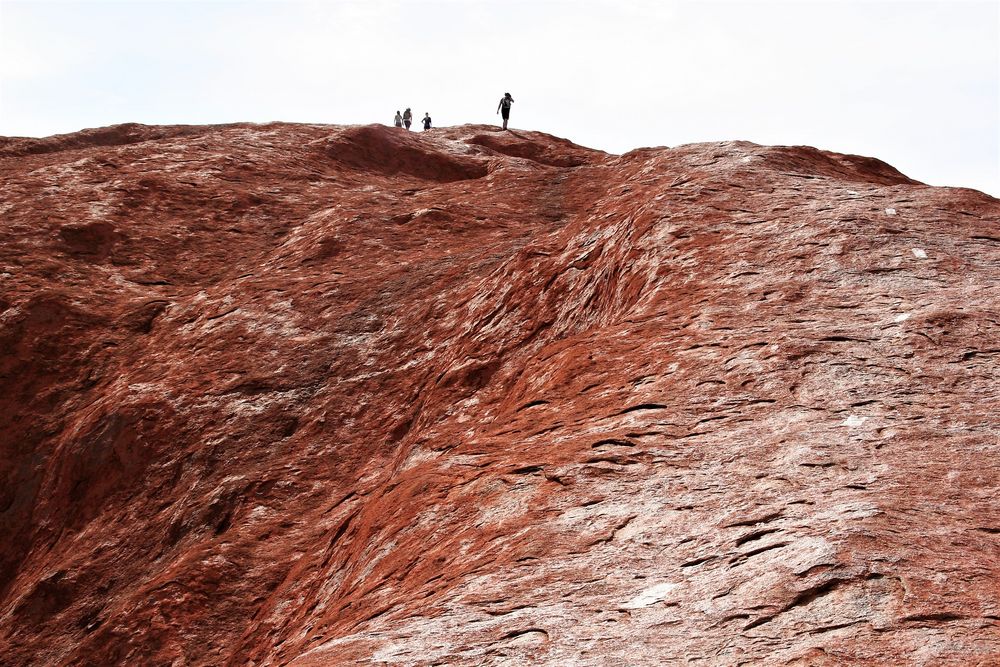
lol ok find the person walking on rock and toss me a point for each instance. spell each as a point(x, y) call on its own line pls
point(504, 108)
point(398, 121)
point(407, 118)
point(427, 121)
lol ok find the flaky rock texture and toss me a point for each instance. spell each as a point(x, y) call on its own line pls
point(317, 395)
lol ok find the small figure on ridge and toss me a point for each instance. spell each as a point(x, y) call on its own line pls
point(427, 121)
point(504, 107)
point(398, 121)
point(407, 118)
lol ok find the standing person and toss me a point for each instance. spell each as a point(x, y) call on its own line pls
point(427, 121)
point(407, 118)
point(504, 107)
point(398, 121)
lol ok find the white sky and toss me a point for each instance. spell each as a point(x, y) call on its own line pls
point(916, 84)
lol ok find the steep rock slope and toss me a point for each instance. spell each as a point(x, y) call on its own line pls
point(313, 395)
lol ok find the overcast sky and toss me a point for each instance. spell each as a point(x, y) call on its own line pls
point(916, 84)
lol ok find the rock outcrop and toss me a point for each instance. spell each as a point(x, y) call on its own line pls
point(315, 395)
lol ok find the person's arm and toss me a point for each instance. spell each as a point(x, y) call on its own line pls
point(499, 105)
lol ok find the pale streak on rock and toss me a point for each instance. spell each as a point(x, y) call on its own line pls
point(650, 596)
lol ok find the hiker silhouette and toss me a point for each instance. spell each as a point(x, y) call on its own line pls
point(504, 108)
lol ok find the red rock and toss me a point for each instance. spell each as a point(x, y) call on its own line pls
point(314, 395)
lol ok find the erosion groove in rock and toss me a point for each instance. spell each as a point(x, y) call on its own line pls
point(319, 395)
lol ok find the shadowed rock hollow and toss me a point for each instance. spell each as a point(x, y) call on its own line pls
point(316, 395)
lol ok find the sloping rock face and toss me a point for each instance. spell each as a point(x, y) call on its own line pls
point(315, 395)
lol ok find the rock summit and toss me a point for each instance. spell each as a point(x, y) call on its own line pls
point(318, 395)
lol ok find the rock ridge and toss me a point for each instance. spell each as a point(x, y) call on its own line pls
point(292, 394)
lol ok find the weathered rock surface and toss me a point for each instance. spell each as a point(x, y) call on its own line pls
point(318, 395)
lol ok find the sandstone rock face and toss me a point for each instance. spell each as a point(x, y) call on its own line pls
point(315, 395)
